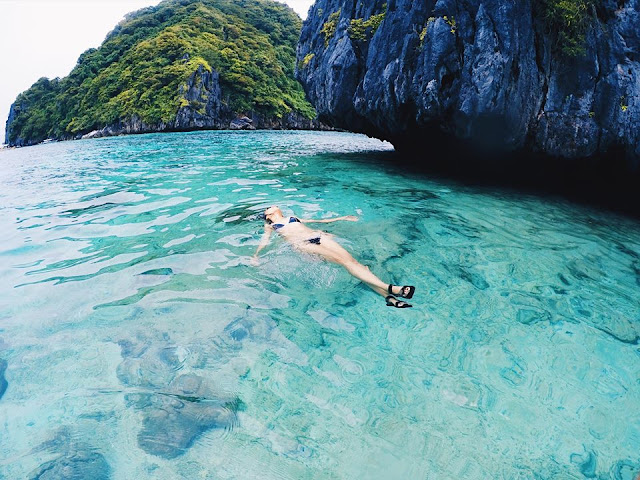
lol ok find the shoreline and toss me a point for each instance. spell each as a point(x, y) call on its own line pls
point(106, 134)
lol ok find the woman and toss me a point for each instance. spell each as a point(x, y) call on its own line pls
point(303, 238)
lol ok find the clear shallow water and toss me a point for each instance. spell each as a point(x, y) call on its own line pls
point(137, 341)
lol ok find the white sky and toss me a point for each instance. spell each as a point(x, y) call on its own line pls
point(44, 38)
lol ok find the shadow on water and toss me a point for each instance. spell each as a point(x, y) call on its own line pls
point(605, 182)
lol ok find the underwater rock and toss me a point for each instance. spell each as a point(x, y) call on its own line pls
point(174, 419)
point(474, 278)
point(529, 316)
point(586, 463)
point(75, 460)
point(262, 330)
point(626, 470)
point(79, 466)
point(249, 328)
point(146, 364)
point(176, 409)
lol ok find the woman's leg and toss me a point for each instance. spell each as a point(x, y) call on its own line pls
point(334, 252)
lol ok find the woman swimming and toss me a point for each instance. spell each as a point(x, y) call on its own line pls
point(317, 242)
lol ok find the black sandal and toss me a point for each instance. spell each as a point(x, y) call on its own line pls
point(409, 294)
point(398, 304)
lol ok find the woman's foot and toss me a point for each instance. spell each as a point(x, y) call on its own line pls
point(394, 302)
point(406, 292)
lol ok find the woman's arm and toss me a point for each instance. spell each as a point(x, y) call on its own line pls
point(348, 218)
point(264, 241)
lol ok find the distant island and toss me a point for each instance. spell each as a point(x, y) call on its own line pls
point(178, 66)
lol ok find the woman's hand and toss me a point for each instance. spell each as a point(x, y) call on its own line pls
point(350, 218)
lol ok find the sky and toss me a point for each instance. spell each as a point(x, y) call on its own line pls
point(44, 38)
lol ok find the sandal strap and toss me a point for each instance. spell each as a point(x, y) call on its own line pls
point(407, 294)
point(398, 304)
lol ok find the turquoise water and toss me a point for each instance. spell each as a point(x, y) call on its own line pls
point(137, 340)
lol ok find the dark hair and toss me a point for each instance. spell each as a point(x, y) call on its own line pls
point(263, 216)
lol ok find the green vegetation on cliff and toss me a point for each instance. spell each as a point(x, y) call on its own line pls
point(568, 21)
point(142, 67)
point(329, 28)
point(361, 29)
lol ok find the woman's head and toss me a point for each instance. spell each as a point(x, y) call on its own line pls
point(271, 213)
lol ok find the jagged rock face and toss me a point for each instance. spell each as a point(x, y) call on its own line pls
point(242, 123)
point(12, 116)
point(482, 71)
point(204, 99)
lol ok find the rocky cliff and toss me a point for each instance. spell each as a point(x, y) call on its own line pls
point(203, 109)
point(17, 140)
point(181, 65)
point(494, 74)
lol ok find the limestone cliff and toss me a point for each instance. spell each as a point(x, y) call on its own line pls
point(484, 73)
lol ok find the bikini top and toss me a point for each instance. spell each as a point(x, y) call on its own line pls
point(276, 226)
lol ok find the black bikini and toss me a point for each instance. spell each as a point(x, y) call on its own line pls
point(276, 226)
